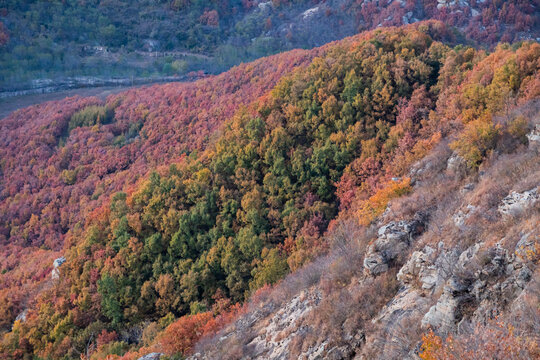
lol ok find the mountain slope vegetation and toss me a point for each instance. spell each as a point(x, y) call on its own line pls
point(61, 160)
point(42, 41)
point(252, 174)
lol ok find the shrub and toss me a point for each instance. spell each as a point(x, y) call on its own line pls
point(518, 128)
point(180, 336)
point(475, 142)
point(376, 204)
point(90, 116)
point(494, 341)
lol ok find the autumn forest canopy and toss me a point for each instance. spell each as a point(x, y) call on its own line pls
point(51, 43)
point(175, 204)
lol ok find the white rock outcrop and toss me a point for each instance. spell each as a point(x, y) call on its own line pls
point(151, 356)
point(462, 215)
point(534, 138)
point(272, 341)
point(515, 203)
point(393, 238)
point(55, 273)
point(484, 280)
point(456, 165)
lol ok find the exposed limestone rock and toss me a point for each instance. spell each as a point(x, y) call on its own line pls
point(524, 247)
point(516, 203)
point(444, 314)
point(428, 267)
point(502, 279)
point(441, 4)
point(468, 257)
point(272, 341)
point(394, 318)
point(456, 165)
point(484, 281)
point(393, 238)
point(468, 187)
point(310, 12)
point(22, 316)
point(534, 138)
point(419, 262)
point(151, 356)
point(420, 168)
point(55, 273)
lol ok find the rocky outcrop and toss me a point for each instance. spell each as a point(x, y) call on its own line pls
point(441, 4)
point(462, 215)
point(483, 281)
point(456, 165)
point(55, 273)
point(272, 330)
point(534, 138)
point(516, 203)
point(151, 356)
point(428, 268)
point(445, 313)
point(393, 238)
point(272, 342)
point(22, 316)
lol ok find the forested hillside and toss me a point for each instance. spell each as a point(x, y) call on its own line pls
point(61, 160)
point(44, 42)
point(175, 204)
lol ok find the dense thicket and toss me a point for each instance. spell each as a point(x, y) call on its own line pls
point(61, 160)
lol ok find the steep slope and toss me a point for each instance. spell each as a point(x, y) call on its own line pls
point(45, 42)
point(189, 217)
point(82, 144)
point(306, 169)
point(447, 271)
point(247, 194)
point(62, 159)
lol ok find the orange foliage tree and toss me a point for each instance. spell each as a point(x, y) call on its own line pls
point(374, 206)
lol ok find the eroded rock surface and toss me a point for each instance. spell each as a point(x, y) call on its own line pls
point(393, 239)
point(151, 356)
point(515, 203)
